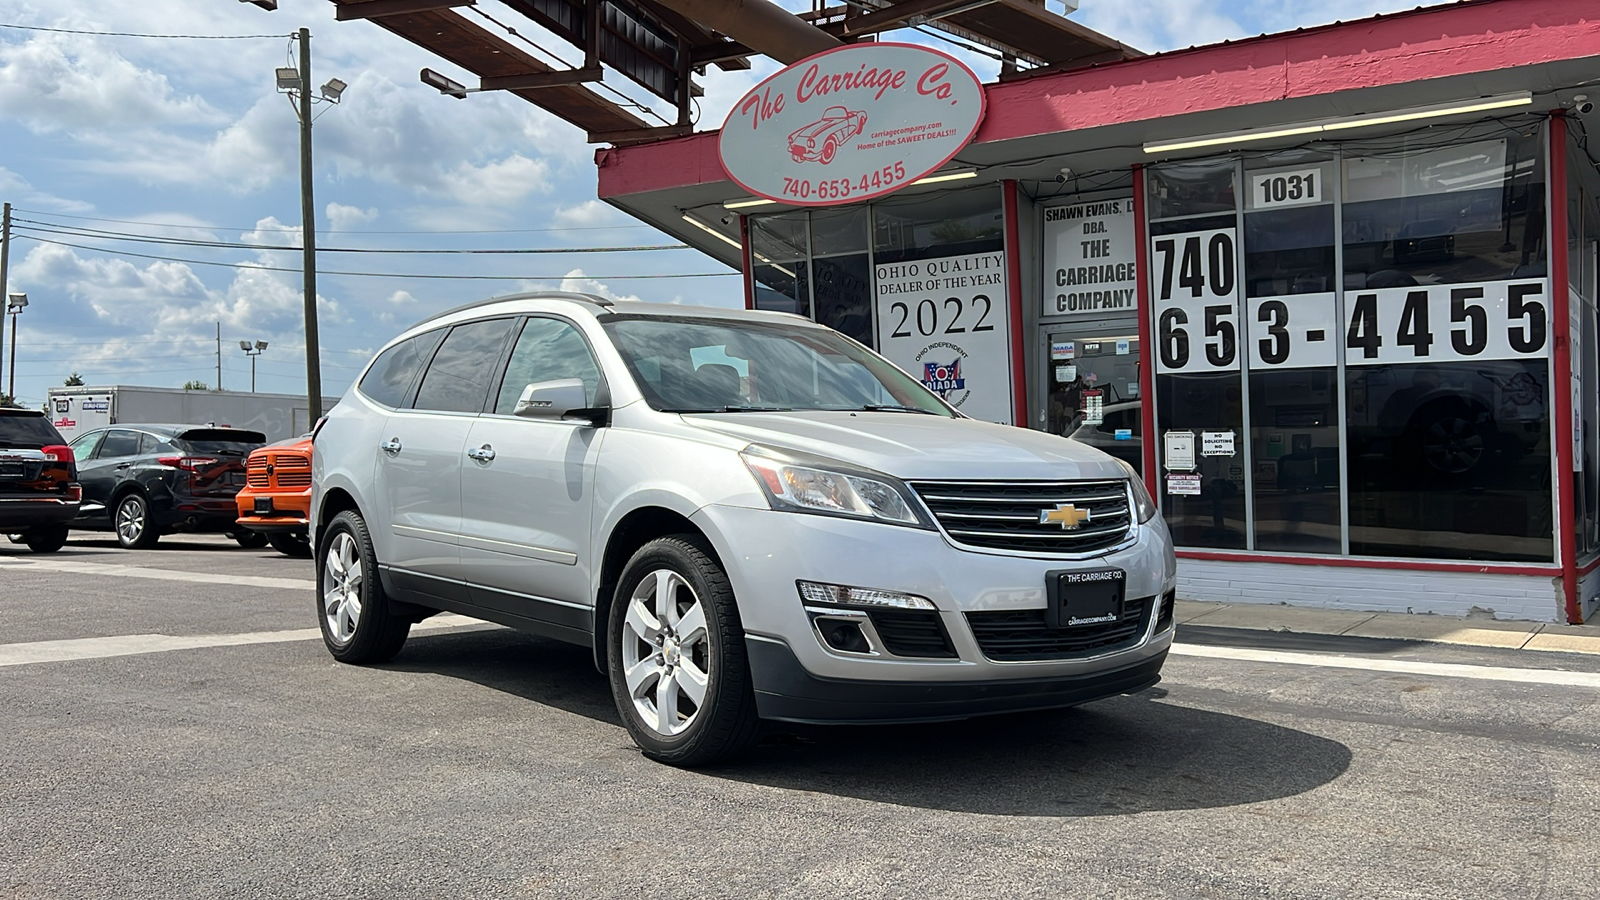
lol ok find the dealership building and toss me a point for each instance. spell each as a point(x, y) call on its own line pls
point(1331, 292)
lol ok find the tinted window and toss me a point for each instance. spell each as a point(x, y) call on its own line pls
point(547, 350)
point(148, 444)
point(119, 443)
point(390, 378)
point(84, 445)
point(209, 440)
point(458, 378)
point(27, 431)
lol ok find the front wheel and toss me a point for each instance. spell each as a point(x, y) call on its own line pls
point(45, 538)
point(677, 662)
point(357, 625)
point(135, 531)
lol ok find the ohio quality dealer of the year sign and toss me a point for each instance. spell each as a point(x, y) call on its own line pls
point(851, 124)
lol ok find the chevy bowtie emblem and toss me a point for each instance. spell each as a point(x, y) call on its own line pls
point(1066, 515)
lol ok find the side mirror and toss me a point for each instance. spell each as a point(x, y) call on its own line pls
point(559, 399)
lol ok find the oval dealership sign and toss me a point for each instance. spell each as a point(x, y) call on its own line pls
point(851, 124)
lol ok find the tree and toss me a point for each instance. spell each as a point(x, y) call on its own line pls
point(192, 385)
point(6, 402)
point(73, 380)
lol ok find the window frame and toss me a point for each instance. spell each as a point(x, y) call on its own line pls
point(602, 394)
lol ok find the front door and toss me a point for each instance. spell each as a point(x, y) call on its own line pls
point(527, 492)
point(1092, 392)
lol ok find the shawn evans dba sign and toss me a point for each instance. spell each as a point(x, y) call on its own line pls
point(850, 124)
point(1089, 254)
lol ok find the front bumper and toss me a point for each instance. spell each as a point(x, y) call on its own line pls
point(771, 550)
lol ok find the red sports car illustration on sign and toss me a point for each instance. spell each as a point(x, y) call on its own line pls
point(821, 139)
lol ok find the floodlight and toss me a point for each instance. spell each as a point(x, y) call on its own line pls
point(18, 301)
point(444, 84)
point(288, 78)
point(268, 5)
point(245, 346)
point(333, 89)
point(261, 345)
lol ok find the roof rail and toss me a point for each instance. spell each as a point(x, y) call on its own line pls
point(591, 299)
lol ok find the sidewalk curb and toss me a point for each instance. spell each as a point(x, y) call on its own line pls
point(1470, 632)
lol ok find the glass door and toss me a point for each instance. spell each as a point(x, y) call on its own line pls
point(1092, 392)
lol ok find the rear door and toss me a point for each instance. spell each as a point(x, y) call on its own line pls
point(420, 456)
point(527, 499)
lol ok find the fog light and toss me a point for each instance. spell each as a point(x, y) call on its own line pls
point(843, 635)
point(841, 595)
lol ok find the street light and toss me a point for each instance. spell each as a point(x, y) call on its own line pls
point(14, 305)
point(252, 352)
point(296, 84)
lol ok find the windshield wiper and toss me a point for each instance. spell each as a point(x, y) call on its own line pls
point(734, 409)
point(890, 407)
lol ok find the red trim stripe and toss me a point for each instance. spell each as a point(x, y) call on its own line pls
point(1147, 350)
point(1561, 365)
point(1019, 356)
point(1349, 562)
point(744, 260)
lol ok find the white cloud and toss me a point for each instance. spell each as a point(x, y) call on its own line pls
point(591, 214)
point(343, 217)
point(53, 82)
point(577, 282)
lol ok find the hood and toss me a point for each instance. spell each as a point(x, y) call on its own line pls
point(913, 446)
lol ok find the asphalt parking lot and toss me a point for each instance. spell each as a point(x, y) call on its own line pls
point(486, 763)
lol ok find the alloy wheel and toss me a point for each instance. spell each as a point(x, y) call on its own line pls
point(131, 519)
point(666, 652)
point(341, 587)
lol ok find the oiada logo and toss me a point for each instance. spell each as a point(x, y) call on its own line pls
point(941, 372)
point(851, 124)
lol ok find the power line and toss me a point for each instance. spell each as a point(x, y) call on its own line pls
point(186, 37)
point(46, 228)
point(296, 229)
point(410, 275)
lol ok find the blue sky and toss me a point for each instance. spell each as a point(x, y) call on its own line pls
point(187, 139)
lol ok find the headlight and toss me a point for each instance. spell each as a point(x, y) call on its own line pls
point(1144, 504)
point(799, 488)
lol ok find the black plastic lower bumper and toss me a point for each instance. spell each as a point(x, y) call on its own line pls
point(787, 692)
point(17, 514)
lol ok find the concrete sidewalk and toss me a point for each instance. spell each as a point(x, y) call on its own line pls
point(1436, 629)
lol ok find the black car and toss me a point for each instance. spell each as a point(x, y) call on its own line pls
point(143, 481)
point(38, 481)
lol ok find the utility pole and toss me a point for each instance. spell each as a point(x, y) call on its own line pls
point(5, 263)
point(219, 356)
point(308, 226)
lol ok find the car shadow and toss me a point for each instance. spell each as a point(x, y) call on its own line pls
point(1141, 753)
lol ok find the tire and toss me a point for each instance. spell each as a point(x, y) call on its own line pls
point(357, 625)
point(296, 545)
point(828, 150)
point(131, 521)
point(45, 538)
point(250, 540)
point(707, 658)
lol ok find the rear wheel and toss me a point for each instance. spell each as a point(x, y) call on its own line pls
point(250, 540)
point(298, 545)
point(357, 624)
point(677, 661)
point(131, 519)
point(45, 538)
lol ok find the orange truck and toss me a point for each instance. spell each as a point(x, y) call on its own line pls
point(276, 498)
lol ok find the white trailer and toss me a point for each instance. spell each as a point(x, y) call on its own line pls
point(75, 410)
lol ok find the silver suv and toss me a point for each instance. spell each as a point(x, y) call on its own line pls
point(746, 515)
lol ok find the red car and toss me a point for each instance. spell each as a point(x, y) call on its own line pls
point(821, 139)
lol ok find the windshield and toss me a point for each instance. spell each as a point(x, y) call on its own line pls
point(726, 365)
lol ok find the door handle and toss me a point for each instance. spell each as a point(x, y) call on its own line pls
point(391, 446)
point(481, 454)
point(125, 466)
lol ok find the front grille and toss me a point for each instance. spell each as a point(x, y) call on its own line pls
point(1005, 515)
point(1020, 634)
point(289, 470)
point(911, 632)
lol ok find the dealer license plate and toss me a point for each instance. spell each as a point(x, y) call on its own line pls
point(263, 506)
point(1084, 599)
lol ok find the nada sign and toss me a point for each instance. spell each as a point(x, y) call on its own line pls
point(850, 124)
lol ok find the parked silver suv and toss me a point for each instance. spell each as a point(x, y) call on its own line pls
point(746, 515)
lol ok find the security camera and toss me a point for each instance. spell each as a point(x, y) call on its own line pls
point(1581, 105)
point(1063, 175)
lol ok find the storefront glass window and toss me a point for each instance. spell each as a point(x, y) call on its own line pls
point(1447, 341)
point(779, 252)
point(939, 224)
point(843, 287)
point(1583, 255)
point(1292, 316)
point(1191, 189)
